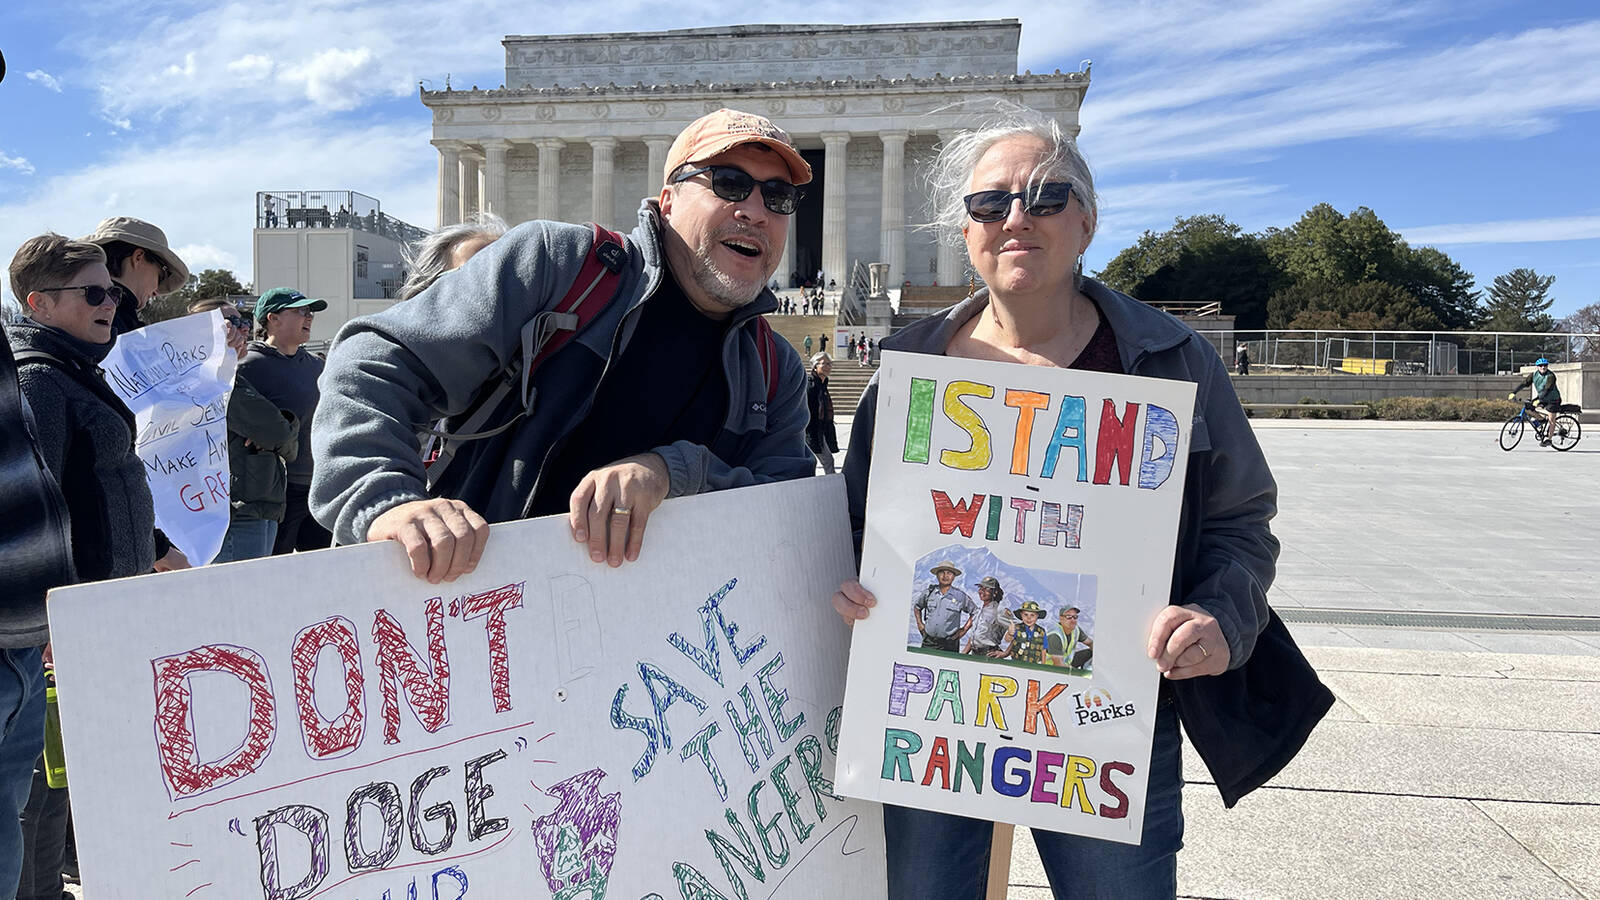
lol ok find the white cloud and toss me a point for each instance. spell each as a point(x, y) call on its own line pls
point(1517, 85)
point(45, 80)
point(186, 70)
point(18, 163)
point(199, 257)
point(1514, 231)
point(202, 196)
point(252, 66)
point(335, 79)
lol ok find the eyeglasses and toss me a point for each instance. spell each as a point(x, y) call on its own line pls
point(1047, 199)
point(166, 270)
point(93, 294)
point(734, 184)
point(240, 322)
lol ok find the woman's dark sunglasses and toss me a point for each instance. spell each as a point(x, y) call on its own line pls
point(993, 206)
point(733, 185)
point(240, 322)
point(94, 294)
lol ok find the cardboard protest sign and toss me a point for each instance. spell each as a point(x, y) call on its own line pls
point(1021, 525)
point(327, 725)
point(176, 376)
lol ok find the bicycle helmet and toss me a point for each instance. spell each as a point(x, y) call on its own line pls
point(1541, 361)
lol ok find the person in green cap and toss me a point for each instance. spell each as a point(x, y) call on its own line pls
point(279, 366)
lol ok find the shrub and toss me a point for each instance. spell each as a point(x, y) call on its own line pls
point(1441, 409)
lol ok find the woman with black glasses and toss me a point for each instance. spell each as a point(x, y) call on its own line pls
point(86, 437)
point(1019, 196)
point(86, 432)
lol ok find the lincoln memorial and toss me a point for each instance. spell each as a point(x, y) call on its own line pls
point(580, 129)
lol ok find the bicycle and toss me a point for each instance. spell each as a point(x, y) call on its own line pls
point(1566, 434)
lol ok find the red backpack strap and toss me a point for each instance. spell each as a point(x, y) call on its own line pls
point(549, 331)
point(767, 350)
point(591, 291)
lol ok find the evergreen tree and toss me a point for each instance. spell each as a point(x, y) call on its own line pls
point(1519, 301)
point(1202, 257)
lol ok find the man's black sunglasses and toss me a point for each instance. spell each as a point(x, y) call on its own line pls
point(1044, 200)
point(93, 294)
point(734, 184)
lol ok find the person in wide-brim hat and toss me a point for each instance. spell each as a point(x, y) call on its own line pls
point(142, 235)
point(945, 566)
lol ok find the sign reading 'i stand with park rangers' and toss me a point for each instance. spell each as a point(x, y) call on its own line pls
point(1021, 523)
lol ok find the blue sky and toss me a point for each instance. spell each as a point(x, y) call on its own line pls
point(1473, 127)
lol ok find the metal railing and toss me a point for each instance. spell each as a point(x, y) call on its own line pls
point(853, 300)
point(331, 209)
point(1404, 352)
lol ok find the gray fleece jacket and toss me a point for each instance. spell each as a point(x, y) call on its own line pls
point(390, 374)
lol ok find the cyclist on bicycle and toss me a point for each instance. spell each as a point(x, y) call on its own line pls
point(1544, 391)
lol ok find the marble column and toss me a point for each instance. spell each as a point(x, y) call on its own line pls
point(835, 258)
point(786, 264)
point(449, 182)
point(892, 241)
point(494, 178)
point(602, 190)
point(950, 255)
point(471, 184)
point(550, 177)
point(658, 159)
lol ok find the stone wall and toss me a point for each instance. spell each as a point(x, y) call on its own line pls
point(1368, 388)
point(747, 53)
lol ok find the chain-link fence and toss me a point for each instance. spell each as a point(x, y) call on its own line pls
point(1403, 352)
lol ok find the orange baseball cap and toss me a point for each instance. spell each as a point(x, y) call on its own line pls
point(725, 129)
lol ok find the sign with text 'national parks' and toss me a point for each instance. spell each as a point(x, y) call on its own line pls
point(1021, 525)
point(327, 725)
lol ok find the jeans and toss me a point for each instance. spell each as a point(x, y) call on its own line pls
point(247, 538)
point(937, 855)
point(22, 705)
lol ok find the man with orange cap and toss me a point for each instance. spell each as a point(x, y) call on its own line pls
point(674, 388)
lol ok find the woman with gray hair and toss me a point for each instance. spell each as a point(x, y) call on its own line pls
point(820, 434)
point(446, 250)
point(1021, 198)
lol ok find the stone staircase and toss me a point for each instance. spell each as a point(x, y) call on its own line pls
point(846, 384)
point(795, 328)
point(849, 378)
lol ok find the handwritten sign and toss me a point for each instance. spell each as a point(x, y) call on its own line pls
point(1021, 524)
point(176, 376)
point(328, 725)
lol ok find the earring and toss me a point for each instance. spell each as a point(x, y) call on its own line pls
point(972, 283)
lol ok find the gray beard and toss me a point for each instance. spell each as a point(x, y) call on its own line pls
point(721, 287)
